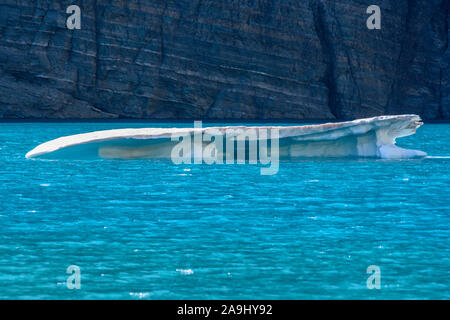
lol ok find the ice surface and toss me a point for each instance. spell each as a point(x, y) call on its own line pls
point(371, 137)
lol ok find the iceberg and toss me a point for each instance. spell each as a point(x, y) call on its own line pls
point(371, 137)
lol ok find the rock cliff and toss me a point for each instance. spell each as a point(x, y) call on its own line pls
point(224, 59)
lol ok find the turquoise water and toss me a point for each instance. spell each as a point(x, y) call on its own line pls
point(154, 230)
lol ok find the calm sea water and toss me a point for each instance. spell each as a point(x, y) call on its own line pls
point(154, 230)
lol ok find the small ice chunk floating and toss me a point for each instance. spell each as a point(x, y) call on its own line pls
point(371, 137)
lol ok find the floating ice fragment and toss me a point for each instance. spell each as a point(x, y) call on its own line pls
point(139, 295)
point(185, 271)
point(371, 137)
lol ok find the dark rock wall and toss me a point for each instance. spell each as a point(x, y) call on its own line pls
point(224, 59)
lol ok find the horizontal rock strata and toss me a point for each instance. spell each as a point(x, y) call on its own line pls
point(224, 59)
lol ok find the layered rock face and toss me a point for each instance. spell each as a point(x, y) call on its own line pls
point(224, 59)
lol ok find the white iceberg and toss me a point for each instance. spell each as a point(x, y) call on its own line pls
point(371, 137)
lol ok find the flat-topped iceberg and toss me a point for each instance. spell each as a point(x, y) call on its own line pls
point(371, 137)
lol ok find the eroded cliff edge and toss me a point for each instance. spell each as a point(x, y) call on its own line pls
point(224, 59)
